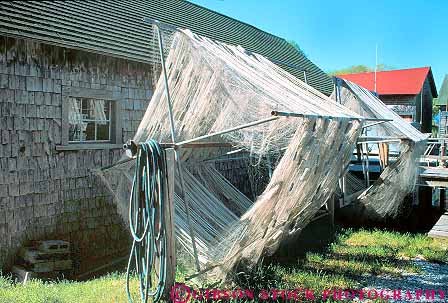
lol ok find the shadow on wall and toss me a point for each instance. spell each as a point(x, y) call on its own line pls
point(95, 231)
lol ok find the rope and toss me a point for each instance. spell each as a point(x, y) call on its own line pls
point(146, 218)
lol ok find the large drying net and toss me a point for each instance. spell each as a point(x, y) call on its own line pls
point(384, 199)
point(216, 87)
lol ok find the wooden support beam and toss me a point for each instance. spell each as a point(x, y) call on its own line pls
point(169, 225)
point(383, 149)
point(358, 152)
point(442, 155)
point(442, 198)
point(331, 207)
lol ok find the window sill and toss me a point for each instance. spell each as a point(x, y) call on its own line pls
point(88, 146)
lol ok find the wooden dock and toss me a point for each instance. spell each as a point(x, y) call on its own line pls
point(440, 229)
point(434, 176)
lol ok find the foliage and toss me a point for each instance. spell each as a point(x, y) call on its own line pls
point(351, 70)
point(297, 47)
point(355, 69)
point(105, 289)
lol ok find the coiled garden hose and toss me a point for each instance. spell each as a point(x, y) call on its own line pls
point(146, 220)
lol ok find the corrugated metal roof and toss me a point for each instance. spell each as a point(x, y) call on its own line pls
point(116, 28)
point(395, 82)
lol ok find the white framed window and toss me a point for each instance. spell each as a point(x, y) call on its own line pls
point(90, 120)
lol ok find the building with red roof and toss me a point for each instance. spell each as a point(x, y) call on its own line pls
point(409, 92)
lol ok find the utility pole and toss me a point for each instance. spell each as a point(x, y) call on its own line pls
point(376, 66)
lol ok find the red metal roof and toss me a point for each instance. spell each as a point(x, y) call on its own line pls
point(394, 82)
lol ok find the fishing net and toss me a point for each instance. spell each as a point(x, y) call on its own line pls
point(383, 200)
point(215, 87)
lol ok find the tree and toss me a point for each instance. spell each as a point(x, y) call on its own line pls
point(351, 70)
point(296, 46)
point(355, 69)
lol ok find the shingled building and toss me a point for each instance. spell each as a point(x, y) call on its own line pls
point(75, 80)
point(409, 92)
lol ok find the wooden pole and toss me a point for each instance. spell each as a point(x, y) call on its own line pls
point(363, 163)
point(170, 232)
point(442, 199)
point(177, 151)
point(442, 154)
point(383, 150)
point(367, 164)
point(331, 206)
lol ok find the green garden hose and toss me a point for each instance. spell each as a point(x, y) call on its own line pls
point(146, 220)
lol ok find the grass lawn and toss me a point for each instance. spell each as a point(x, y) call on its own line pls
point(354, 254)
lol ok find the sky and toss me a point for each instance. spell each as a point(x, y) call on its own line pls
point(339, 34)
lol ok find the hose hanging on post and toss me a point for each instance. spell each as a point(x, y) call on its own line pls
point(146, 220)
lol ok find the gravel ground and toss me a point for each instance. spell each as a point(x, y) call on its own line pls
point(433, 277)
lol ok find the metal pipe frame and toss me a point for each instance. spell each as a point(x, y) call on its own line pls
point(373, 124)
point(301, 115)
point(379, 141)
point(173, 28)
point(178, 150)
point(227, 131)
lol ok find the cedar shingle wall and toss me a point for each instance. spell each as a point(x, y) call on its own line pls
point(44, 193)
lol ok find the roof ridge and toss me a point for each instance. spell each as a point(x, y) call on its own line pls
point(232, 18)
point(105, 27)
point(392, 70)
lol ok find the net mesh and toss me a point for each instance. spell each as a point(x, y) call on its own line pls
point(384, 199)
point(214, 87)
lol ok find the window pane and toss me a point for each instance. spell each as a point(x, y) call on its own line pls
point(89, 119)
point(99, 111)
point(102, 131)
point(89, 133)
point(107, 109)
point(74, 119)
point(74, 133)
point(87, 109)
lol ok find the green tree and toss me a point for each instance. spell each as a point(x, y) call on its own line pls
point(297, 47)
point(383, 67)
point(355, 69)
point(351, 70)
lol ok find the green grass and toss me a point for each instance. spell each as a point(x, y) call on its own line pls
point(353, 255)
point(393, 245)
point(110, 288)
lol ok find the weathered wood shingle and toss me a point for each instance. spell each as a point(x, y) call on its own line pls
point(116, 28)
